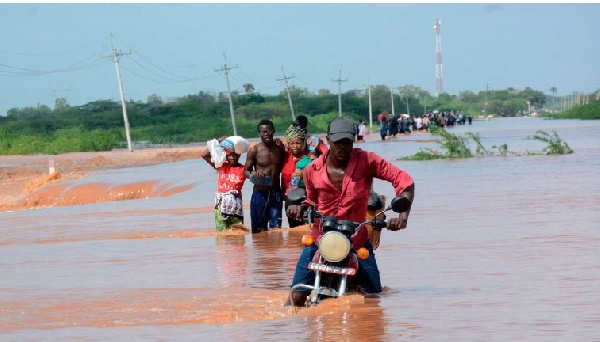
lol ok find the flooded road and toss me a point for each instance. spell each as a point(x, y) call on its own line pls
point(497, 248)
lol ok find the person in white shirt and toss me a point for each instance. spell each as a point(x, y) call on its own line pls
point(362, 130)
point(419, 122)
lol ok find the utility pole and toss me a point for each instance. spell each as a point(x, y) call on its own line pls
point(439, 82)
point(225, 70)
point(116, 55)
point(485, 104)
point(285, 78)
point(425, 109)
point(370, 111)
point(339, 81)
point(392, 96)
point(407, 108)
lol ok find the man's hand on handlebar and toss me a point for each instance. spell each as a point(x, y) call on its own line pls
point(295, 211)
point(397, 223)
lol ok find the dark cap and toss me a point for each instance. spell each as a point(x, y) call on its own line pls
point(341, 128)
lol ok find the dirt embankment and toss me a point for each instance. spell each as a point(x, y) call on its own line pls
point(21, 176)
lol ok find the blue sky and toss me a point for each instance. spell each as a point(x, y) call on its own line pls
point(176, 48)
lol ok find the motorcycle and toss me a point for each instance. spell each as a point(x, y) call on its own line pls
point(336, 263)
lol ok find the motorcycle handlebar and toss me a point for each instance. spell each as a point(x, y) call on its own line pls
point(379, 224)
point(298, 196)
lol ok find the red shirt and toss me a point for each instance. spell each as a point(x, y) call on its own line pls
point(351, 202)
point(289, 167)
point(230, 178)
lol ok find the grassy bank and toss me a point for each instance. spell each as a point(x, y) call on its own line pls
point(590, 111)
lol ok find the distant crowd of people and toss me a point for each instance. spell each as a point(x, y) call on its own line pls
point(406, 124)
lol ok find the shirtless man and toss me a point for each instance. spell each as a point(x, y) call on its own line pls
point(263, 168)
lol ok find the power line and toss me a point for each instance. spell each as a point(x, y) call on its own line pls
point(310, 87)
point(147, 60)
point(31, 72)
point(51, 53)
point(256, 82)
point(173, 65)
point(180, 79)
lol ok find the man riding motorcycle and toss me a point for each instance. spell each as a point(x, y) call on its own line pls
point(339, 183)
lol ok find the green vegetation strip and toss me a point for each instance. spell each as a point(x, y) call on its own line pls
point(453, 146)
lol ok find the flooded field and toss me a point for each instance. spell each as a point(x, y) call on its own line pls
point(497, 248)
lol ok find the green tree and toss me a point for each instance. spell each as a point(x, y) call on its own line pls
point(295, 92)
point(410, 90)
point(324, 92)
point(468, 96)
point(248, 88)
point(61, 104)
point(13, 112)
point(154, 100)
point(537, 98)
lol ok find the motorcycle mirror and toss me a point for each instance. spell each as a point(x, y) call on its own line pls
point(375, 202)
point(400, 204)
point(296, 196)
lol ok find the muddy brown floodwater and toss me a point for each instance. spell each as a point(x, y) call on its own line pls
point(497, 248)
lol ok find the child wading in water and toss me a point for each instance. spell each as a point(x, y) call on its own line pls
point(228, 199)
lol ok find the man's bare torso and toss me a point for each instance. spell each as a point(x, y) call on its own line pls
point(269, 160)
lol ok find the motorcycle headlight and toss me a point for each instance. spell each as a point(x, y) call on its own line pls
point(334, 246)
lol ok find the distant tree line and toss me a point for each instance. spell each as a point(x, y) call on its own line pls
point(199, 117)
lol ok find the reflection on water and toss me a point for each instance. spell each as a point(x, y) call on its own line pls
point(500, 248)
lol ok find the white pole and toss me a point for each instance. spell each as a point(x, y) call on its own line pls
point(340, 93)
point(230, 102)
point(51, 168)
point(290, 99)
point(225, 69)
point(339, 81)
point(392, 95)
point(285, 78)
point(370, 111)
point(129, 146)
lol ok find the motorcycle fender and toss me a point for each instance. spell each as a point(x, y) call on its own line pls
point(316, 257)
point(353, 263)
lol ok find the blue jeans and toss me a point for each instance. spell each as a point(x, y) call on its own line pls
point(265, 209)
point(367, 275)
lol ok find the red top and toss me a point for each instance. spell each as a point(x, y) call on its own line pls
point(323, 148)
point(289, 167)
point(230, 178)
point(351, 203)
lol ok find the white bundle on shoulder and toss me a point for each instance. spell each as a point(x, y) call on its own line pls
point(217, 153)
point(236, 144)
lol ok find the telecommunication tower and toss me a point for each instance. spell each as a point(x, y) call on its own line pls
point(439, 81)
